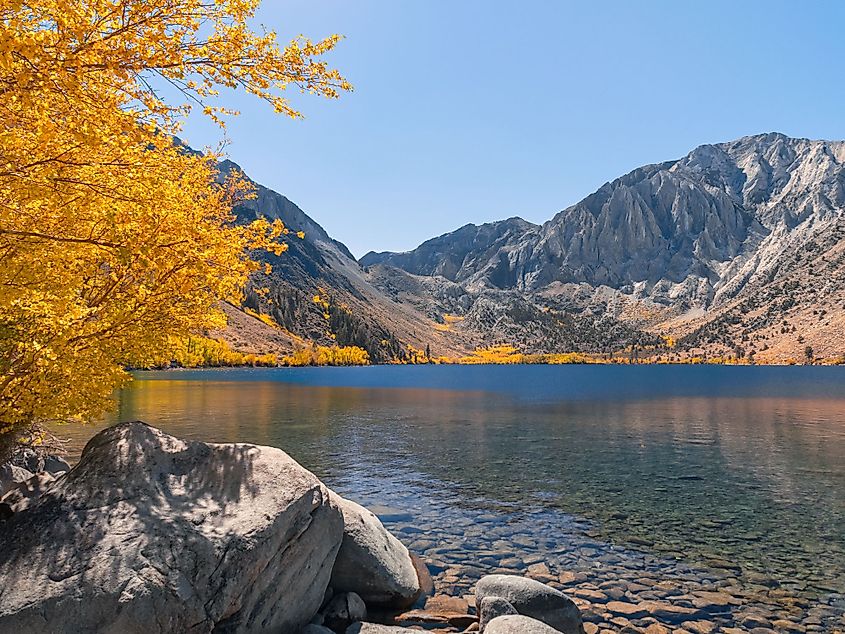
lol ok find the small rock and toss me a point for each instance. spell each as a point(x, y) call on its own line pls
point(492, 607)
point(439, 609)
point(630, 610)
point(445, 603)
point(518, 624)
point(540, 571)
point(620, 622)
point(512, 562)
point(593, 596)
point(700, 627)
point(55, 465)
point(534, 599)
point(714, 601)
point(344, 610)
point(571, 578)
point(668, 612)
point(390, 514)
point(426, 583)
point(752, 621)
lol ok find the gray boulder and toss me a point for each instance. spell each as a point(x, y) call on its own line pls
point(38, 461)
point(315, 629)
point(11, 476)
point(491, 607)
point(344, 610)
point(149, 533)
point(518, 624)
point(372, 562)
point(29, 459)
point(534, 599)
point(55, 465)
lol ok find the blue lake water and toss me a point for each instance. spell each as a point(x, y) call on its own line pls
point(671, 471)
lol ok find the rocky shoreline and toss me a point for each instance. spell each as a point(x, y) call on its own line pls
point(149, 533)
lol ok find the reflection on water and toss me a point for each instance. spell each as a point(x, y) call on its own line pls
point(742, 469)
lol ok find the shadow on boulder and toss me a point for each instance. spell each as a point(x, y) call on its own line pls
point(149, 533)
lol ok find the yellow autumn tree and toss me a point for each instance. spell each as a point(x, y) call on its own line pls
point(114, 240)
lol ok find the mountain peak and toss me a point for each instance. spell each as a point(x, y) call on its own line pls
point(673, 226)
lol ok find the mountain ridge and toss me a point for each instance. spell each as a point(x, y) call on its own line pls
point(711, 207)
point(665, 250)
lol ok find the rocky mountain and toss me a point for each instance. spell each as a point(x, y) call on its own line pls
point(318, 294)
point(471, 252)
point(735, 248)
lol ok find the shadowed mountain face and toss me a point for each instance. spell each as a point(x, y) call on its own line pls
point(736, 247)
point(351, 311)
point(463, 254)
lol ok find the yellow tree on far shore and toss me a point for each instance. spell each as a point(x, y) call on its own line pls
point(114, 240)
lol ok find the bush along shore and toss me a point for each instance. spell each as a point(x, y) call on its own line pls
point(149, 533)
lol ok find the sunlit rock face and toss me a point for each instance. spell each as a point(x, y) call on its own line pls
point(696, 230)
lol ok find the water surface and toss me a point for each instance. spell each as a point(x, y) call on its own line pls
point(737, 470)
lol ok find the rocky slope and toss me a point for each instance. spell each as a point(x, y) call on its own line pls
point(318, 266)
point(727, 249)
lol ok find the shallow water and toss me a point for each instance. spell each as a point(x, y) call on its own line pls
point(711, 476)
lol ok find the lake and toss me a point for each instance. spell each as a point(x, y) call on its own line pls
point(603, 479)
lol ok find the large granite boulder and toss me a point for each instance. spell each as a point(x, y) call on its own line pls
point(518, 624)
point(372, 562)
point(531, 598)
point(149, 533)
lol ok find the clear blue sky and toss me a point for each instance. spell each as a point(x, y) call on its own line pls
point(472, 111)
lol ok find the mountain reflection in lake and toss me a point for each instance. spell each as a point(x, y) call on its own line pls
point(739, 472)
